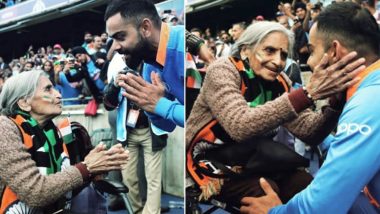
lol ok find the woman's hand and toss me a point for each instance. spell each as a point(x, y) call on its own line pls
point(100, 160)
point(329, 80)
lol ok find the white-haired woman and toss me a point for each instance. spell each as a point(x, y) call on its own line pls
point(246, 97)
point(34, 164)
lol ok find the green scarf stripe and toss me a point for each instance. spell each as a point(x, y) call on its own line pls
point(52, 141)
point(264, 96)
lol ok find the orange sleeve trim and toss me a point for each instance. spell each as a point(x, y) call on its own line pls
point(362, 75)
point(27, 139)
point(162, 46)
point(283, 82)
point(206, 133)
point(9, 197)
point(372, 200)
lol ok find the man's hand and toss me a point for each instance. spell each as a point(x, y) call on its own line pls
point(142, 93)
point(252, 205)
point(327, 81)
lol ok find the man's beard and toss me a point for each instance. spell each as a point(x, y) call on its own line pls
point(142, 50)
point(88, 40)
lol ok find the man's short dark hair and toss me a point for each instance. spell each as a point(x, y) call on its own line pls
point(242, 25)
point(299, 5)
point(196, 30)
point(133, 11)
point(352, 25)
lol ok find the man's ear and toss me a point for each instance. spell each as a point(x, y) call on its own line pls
point(146, 27)
point(338, 51)
point(24, 105)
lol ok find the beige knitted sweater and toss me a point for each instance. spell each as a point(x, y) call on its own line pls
point(19, 171)
point(220, 98)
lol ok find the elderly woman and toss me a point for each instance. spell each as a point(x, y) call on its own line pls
point(34, 163)
point(246, 97)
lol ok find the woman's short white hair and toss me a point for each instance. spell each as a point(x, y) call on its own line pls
point(257, 32)
point(18, 87)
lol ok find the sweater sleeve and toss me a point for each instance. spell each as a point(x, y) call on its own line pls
point(222, 94)
point(20, 173)
point(312, 127)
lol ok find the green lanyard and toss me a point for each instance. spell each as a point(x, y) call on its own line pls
point(264, 95)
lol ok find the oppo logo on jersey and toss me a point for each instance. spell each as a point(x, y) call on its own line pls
point(351, 128)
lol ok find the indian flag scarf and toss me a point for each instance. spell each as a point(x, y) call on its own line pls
point(47, 149)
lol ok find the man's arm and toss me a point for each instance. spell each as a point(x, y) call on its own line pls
point(148, 95)
point(351, 162)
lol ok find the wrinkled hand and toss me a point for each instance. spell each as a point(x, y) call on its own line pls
point(336, 78)
point(142, 93)
point(260, 205)
point(100, 160)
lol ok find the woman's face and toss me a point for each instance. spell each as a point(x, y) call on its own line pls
point(268, 59)
point(47, 66)
point(46, 102)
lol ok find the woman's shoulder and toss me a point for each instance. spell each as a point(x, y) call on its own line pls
point(7, 124)
point(224, 61)
point(222, 66)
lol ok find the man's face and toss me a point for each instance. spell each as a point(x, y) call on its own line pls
point(81, 58)
point(283, 20)
point(314, 13)
point(225, 37)
point(104, 37)
point(236, 32)
point(316, 47)
point(88, 37)
point(28, 66)
point(98, 42)
point(267, 60)
point(57, 51)
point(300, 13)
point(126, 38)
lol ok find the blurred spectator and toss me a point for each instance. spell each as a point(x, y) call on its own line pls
point(48, 68)
point(237, 30)
point(259, 18)
point(59, 52)
point(29, 65)
point(88, 72)
point(370, 5)
point(88, 43)
point(284, 21)
point(104, 37)
point(312, 11)
point(98, 44)
point(301, 53)
point(3, 65)
point(100, 54)
point(223, 47)
point(66, 88)
point(208, 33)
